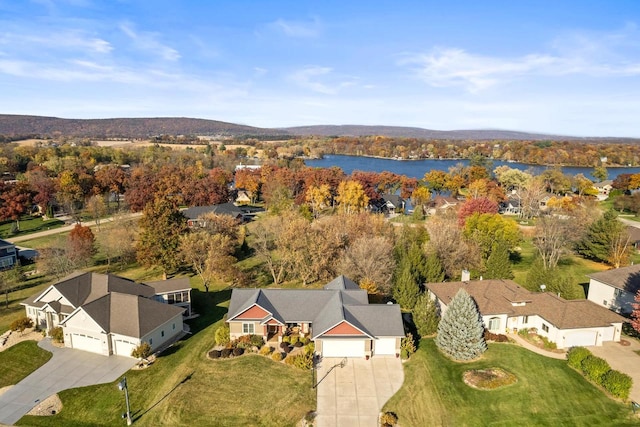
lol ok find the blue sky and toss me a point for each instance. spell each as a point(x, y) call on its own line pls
point(563, 67)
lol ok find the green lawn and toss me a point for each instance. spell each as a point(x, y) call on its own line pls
point(548, 393)
point(20, 360)
point(32, 285)
point(28, 225)
point(184, 388)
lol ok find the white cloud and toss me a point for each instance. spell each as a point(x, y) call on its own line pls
point(302, 29)
point(321, 80)
point(148, 41)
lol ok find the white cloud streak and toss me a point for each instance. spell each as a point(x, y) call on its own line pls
point(298, 29)
point(148, 42)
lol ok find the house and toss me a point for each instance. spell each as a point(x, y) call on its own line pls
point(505, 306)
point(393, 202)
point(174, 292)
point(634, 236)
point(8, 255)
point(441, 203)
point(193, 214)
point(603, 188)
point(243, 197)
point(338, 318)
point(511, 206)
point(615, 289)
point(107, 314)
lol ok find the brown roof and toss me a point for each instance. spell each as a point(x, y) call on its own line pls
point(634, 233)
point(499, 296)
point(625, 278)
point(130, 315)
point(171, 285)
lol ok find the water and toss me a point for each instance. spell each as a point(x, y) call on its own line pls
point(417, 168)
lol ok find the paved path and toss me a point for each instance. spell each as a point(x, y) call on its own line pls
point(59, 230)
point(353, 395)
point(66, 369)
point(526, 344)
point(623, 359)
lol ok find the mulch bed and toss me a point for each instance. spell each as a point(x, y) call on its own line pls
point(488, 379)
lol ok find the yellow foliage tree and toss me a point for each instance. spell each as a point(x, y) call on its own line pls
point(351, 197)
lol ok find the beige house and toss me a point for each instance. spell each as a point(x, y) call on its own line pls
point(107, 314)
point(615, 289)
point(507, 307)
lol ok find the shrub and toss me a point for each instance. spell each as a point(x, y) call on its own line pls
point(298, 344)
point(142, 351)
point(214, 354)
point(222, 335)
point(548, 344)
point(407, 346)
point(617, 383)
point(576, 355)
point(256, 340)
point(294, 339)
point(594, 368)
point(284, 344)
point(226, 352)
point(266, 350)
point(306, 340)
point(287, 349)
point(21, 324)
point(57, 334)
point(388, 419)
point(238, 351)
point(301, 361)
point(490, 336)
point(310, 348)
point(277, 356)
point(286, 338)
point(523, 332)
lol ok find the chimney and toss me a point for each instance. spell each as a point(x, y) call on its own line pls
point(466, 276)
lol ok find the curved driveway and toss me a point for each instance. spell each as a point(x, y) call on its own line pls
point(66, 369)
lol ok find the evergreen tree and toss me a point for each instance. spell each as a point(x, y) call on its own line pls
point(498, 265)
point(433, 270)
point(461, 331)
point(425, 315)
point(601, 237)
point(406, 289)
point(553, 280)
point(416, 258)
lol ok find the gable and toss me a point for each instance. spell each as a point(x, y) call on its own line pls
point(253, 312)
point(52, 294)
point(79, 319)
point(344, 328)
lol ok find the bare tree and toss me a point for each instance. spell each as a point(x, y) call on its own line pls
point(116, 240)
point(370, 258)
point(552, 239)
point(265, 235)
point(9, 279)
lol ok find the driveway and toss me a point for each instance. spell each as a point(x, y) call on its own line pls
point(66, 369)
point(623, 359)
point(354, 394)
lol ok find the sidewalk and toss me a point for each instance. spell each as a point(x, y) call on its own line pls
point(526, 344)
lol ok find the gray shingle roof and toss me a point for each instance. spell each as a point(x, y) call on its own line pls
point(496, 297)
point(324, 308)
point(170, 285)
point(625, 278)
point(221, 209)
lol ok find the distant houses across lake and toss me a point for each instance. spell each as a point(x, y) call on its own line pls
point(417, 168)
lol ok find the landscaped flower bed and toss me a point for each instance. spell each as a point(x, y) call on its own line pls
point(488, 379)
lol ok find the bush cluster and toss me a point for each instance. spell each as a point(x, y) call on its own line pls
point(277, 356)
point(214, 354)
point(21, 324)
point(226, 352)
point(388, 419)
point(248, 341)
point(287, 349)
point(266, 350)
point(407, 346)
point(549, 345)
point(301, 361)
point(222, 335)
point(490, 336)
point(142, 351)
point(598, 370)
point(238, 351)
point(57, 334)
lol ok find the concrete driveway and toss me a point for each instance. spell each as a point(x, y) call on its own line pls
point(66, 369)
point(623, 359)
point(354, 394)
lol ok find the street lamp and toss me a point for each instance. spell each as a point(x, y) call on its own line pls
point(122, 385)
point(543, 287)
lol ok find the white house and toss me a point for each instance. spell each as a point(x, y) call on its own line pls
point(506, 307)
point(616, 288)
point(107, 314)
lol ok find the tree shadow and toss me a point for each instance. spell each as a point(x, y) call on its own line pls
point(135, 415)
point(207, 305)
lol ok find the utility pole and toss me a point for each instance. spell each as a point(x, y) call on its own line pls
point(122, 386)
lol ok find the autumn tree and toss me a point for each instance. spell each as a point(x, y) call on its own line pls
point(600, 173)
point(606, 240)
point(436, 180)
point(250, 180)
point(15, 201)
point(116, 241)
point(370, 258)
point(81, 245)
point(420, 197)
point(97, 207)
point(318, 197)
point(553, 239)
point(454, 251)
point(161, 226)
point(635, 314)
point(53, 259)
point(351, 197)
point(480, 205)
point(209, 255)
point(511, 178)
point(489, 230)
point(461, 330)
point(69, 192)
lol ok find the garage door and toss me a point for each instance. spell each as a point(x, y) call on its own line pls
point(580, 338)
point(86, 342)
point(608, 334)
point(343, 348)
point(123, 347)
point(384, 346)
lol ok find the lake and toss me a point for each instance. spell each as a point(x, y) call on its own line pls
point(417, 168)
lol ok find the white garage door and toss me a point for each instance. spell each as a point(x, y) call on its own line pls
point(343, 348)
point(86, 342)
point(123, 347)
point(384, 346)
point(608, 334)
point(579, 338)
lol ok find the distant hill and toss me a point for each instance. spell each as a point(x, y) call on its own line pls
point(124, 128)
point(413, 132)
point(19, 125)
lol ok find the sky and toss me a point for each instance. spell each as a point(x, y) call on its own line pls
point(557, 67)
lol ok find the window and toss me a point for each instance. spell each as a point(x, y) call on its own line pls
point(174, 326)
point(525, 320)
point(545, 327)
point(248, 328)
point(150, 341)
point(161, 333)
point(604, 302)
point(494, 323)
point(171, 298)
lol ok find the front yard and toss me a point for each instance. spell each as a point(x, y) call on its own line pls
point(547, 392)
point(183, 387)
point(20, 360)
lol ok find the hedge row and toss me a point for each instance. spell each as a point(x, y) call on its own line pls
point(598, 371)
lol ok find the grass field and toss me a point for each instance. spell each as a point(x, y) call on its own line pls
point(20, 360)
point(548, 393)
point(184, 388)
point(28, 225)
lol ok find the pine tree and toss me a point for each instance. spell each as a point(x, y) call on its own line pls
point(406, 289)
point(460, 331)
point(416, 258)
point(425, 316)
point(433, 269)
point(498, 265)
point(600, 238)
